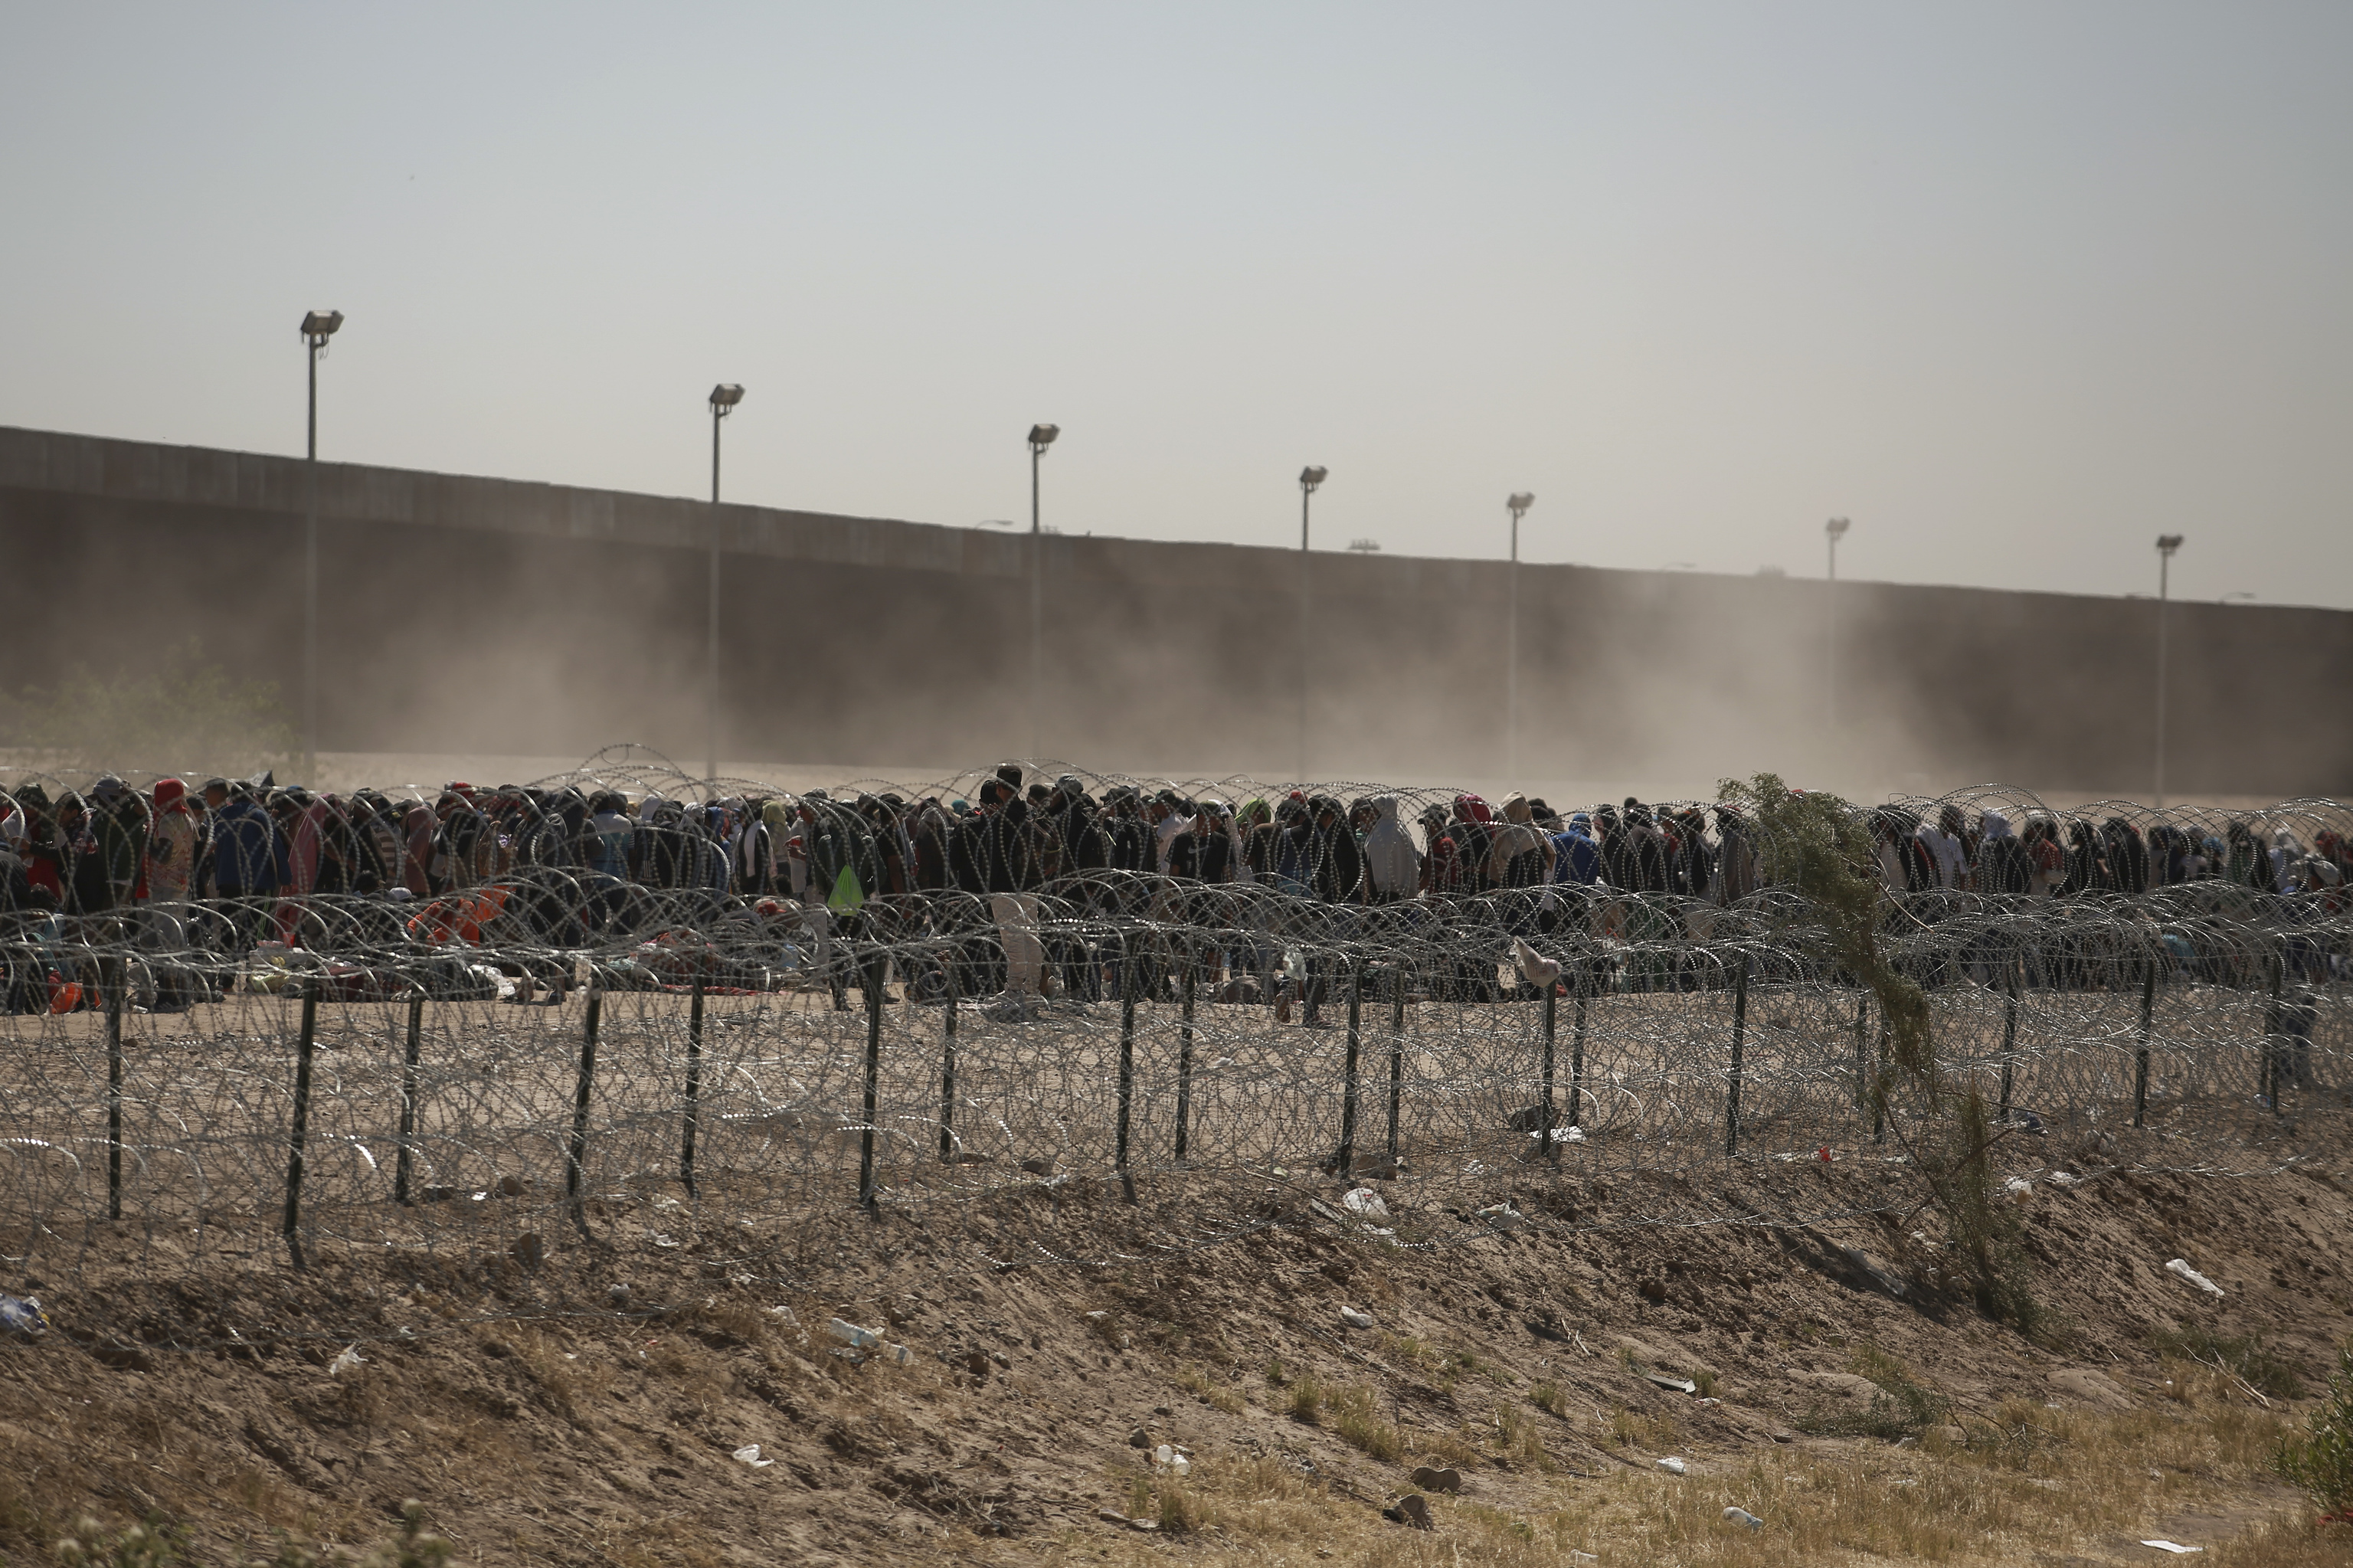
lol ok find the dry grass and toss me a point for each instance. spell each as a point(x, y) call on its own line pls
point(2030, 1484)
point(1194, 1380)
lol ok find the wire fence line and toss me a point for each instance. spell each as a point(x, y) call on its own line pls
point(543, 1062)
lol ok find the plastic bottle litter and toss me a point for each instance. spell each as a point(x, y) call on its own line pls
point(1742, 1515)
point(1355, 1319)
point(853, 1336)
point(1169, 1461)
point(750, 1455)
point(1672, 1466)
point(2177, 1267)
point(21, 1314)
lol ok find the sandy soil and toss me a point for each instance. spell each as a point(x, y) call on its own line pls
point(541, 1419)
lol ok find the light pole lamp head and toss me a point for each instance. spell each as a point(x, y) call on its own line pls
point(2166, 543)
point(1518, 502)
point(1310, 478)
point(1043, 436)
point(318, 326)
point(1836, 528)
point(723, 398)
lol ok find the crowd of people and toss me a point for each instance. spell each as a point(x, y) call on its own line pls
point(587, 857)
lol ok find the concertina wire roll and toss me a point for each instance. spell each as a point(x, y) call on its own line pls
point(551, 1061)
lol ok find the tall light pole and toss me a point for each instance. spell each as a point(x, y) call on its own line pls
point(1040, 437)
point(723, 398)
point(1835, 530)
point(2166, 545)
point(1308, 479)
point(1517, 504)
point(318, 326)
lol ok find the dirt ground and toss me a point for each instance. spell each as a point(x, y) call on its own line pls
point(1846, 1391)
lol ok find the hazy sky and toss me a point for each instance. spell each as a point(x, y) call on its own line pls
point(2014, 287)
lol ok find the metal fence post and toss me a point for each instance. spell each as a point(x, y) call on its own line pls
point(1879, 1083)
point(1862, 1050)
point(1185, 1058)
point(1396, 1050)
point(1127, 1064)
point(1345, 1160)
point(1544, 1118)
point(113, 973)
point(1576, 1052)
point(693, 1088)
point(2140, 1051)
point(873, 973)
point(301, 1129)
point(947, 1065)
point(402, 1159)
point(2275, 1047)
point(1739, 1040)
point(575, 1157)
point(2009, 1042)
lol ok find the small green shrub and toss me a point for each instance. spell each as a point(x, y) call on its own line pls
point(2319, 1458)
point(2244, 1356)
point(1901, 1407)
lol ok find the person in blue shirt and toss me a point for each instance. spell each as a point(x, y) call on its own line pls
point(1576, 855)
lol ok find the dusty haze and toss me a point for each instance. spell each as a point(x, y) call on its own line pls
point(465, 617)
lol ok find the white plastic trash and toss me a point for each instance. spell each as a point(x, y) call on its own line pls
point(2173, 1546)
point(2182, 1269)
point(1355, 1319)
point(750, 1455)
point(350, 1360)
point(1365, 1200)
point(1672, 1466)
point(1742, 1515)
point(1169, 1461)
point(852, 1335)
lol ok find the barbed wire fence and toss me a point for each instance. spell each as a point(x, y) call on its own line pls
point(489, 1081)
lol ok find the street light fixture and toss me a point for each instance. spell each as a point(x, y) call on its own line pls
point(1517, 504)
point(1834, 530)
point(1040, 437)
point(1311, 479)
point(318, 326)
point(723, 398)
point(2166, 545)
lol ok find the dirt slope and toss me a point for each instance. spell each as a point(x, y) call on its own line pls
point(1005, 1432)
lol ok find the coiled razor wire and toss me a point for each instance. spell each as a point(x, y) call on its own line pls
point(546, 1060)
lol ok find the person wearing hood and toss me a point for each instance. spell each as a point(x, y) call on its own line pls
point(244, 852)
point(2004, 866)
point(118, 821)
point(1518, 855)
point(1392, 865)
point(81, 869)
point(172, 847)
point(1576, 856)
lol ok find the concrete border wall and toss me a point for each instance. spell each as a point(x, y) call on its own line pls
point(480, 614)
